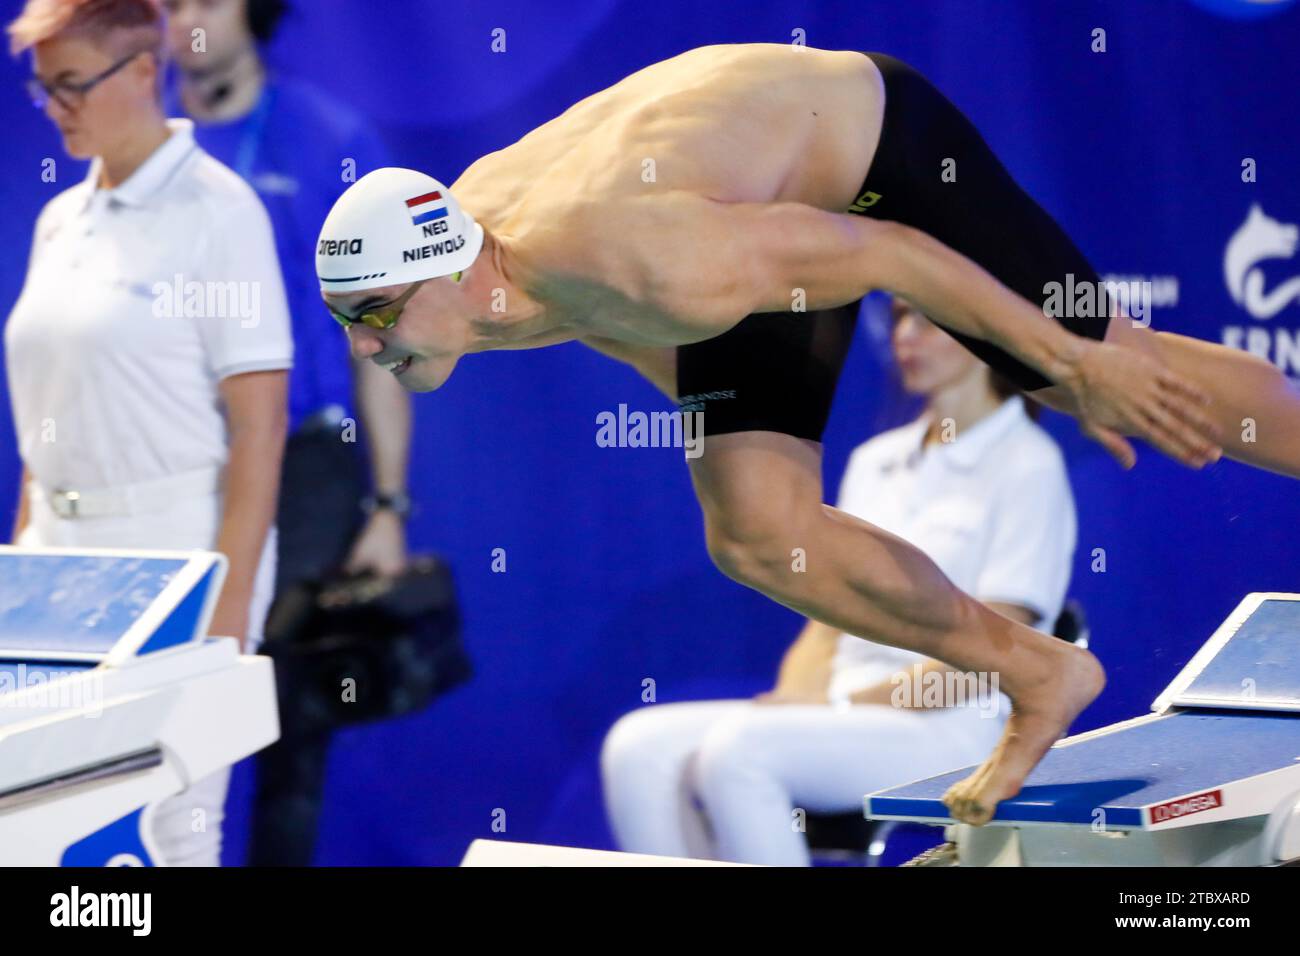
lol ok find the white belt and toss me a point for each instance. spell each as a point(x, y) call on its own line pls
point(140, 498)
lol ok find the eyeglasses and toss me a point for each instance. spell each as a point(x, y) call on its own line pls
point(385, 317)
point(70, 95)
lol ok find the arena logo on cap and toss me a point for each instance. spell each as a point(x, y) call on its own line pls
point(1244, 9)
point(340, 247)
point(426, 208)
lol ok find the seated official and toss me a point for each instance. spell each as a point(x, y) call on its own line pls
point(982, 490)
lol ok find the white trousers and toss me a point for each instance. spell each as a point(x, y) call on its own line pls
point(187, 826)
point(726, 779)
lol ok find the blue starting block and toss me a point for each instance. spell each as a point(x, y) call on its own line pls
point(1211, 778)
point(113, 697)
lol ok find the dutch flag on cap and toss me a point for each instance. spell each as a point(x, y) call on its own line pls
point(425, 208)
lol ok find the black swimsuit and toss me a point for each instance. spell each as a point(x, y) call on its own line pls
point(777, 372)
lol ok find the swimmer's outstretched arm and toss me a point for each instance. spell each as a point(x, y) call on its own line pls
point(837, 258)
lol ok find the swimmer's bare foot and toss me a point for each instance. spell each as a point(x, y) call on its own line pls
point(1040, 716)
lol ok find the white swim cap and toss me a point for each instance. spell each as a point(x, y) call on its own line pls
point(391, 227)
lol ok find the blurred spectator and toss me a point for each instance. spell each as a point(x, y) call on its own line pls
point(299, 149)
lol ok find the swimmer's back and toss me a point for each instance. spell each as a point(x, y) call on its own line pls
point(735, 123)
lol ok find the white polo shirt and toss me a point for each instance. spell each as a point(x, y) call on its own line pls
point(138, 301)
point(992, 509)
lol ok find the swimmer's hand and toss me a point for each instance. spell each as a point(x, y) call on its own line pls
point(1122, 392)
point(1119, 447)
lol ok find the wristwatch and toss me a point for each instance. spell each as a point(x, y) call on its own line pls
point(398, 502)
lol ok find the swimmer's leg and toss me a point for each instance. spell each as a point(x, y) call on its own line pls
point(766, 527)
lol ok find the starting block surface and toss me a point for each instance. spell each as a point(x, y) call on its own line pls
point(1221, 756)
point(1124, 773)
point(1252, 662)
point(113, 697)
point(62, 606)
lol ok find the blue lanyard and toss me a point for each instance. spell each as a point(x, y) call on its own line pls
point(250, 144)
